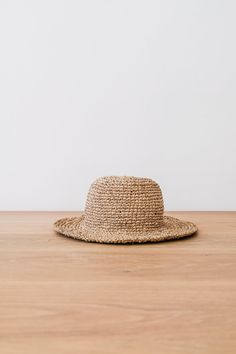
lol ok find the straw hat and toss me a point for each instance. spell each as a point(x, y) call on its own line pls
point(124, 210)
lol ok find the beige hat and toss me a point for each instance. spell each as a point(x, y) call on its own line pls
point(124, 210)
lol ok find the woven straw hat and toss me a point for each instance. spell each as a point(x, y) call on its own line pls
point(124, 210)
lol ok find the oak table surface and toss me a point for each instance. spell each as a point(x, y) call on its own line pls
point(59, 295)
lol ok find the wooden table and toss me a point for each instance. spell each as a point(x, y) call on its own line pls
point(58, 295)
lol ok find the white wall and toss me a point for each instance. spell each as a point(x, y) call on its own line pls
point(129, 87)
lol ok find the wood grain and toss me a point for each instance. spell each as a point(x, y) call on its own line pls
point(58, 295)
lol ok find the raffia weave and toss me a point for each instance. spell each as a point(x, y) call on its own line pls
point(124, 210)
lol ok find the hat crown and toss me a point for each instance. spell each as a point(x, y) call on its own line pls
point(124, 203)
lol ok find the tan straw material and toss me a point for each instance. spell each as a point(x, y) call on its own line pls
point(124, 210)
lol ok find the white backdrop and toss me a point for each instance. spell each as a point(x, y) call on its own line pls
point(129, 87)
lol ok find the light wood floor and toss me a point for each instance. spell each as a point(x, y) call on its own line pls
point(58, 295)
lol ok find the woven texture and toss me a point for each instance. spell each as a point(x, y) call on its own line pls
point(124, 210)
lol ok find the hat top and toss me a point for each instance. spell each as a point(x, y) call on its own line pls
point(124, 203)
point(123, 179)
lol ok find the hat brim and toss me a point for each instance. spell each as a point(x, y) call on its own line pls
point(171, 229)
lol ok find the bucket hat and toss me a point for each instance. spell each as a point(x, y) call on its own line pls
point(124, 210)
